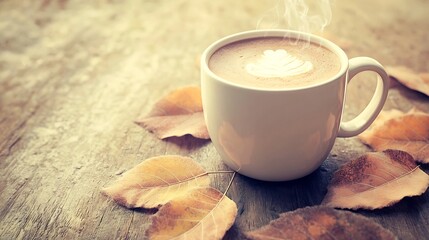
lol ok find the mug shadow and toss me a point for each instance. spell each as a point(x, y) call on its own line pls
point(267, 200)
point(188, 142)
point(308, 190)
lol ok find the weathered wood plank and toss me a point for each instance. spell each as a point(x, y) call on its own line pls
point(75, 74)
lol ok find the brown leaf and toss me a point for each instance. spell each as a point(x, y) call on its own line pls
point(411, 79)
point(376, 180)
point(403, 131)
point(156, 181)
point(320, 223)
point(204, 213)
point(177, 114)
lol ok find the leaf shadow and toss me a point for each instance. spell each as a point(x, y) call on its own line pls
point(188, 142)
point(233, 233)
point(405, 206)
point(149, 211)
point(406, 92)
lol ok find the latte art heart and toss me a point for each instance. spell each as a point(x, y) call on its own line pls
point(278, 63)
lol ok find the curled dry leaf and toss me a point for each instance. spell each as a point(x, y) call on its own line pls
point(376, 180)
point(394, 129)
point(416, 81)
point(156, 181)
point(177, 114)
point(320, 223)
point(204, 213)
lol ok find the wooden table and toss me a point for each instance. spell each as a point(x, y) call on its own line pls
point(75, 75)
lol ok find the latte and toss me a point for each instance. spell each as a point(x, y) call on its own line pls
point(274, 63)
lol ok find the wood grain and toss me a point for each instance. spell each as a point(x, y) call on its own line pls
point(74, 75)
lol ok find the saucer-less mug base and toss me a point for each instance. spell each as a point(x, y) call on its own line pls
point(282, 173)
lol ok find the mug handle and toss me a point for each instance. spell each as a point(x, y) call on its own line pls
point(362, 121)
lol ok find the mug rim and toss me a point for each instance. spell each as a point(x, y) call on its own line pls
point(211, 49)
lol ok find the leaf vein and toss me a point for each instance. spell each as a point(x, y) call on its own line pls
point(168, 171)
point(176, 183)
point(216, 206)
point(393, 180)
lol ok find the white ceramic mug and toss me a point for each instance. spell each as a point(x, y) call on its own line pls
point(283, 134)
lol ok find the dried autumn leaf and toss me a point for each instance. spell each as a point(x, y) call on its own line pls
point(320, 223)
point(177, 114)
point(204, 213)
point(376, 180)
point(394, 129)
point(156, 181)
point(411, 79)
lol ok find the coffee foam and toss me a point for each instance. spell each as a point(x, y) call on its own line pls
point(248, 63)
point(278, 63)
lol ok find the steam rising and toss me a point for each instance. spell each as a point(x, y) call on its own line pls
point(308, 16)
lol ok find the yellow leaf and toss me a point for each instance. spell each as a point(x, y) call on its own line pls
point(204, 213)
point(320, 223)
point(177, 114)
point(156, 181)
point(394, 129)
point(376, 180)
